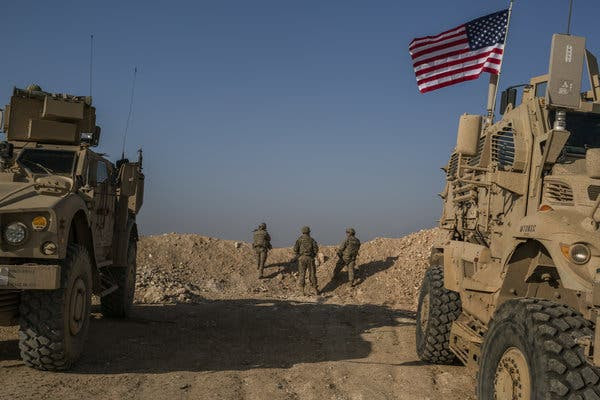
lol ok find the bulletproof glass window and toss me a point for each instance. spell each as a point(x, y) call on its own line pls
point(101, 173)
point(584, 129)
point(585, 132)
point(540, 89)
point(41, 161)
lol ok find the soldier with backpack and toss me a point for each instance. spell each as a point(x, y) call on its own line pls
point(306, 250)
point(347, 253)
point(261, 245)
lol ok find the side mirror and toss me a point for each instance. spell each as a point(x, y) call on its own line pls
point(509, 96)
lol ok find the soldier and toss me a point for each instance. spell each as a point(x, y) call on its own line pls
point(347, 253)
point(306, 249)
point(261, 245)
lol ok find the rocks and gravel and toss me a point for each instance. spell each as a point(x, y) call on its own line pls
point(187, 268)
point(205, 327)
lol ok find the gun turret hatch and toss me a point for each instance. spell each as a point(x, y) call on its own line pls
point(38, 116)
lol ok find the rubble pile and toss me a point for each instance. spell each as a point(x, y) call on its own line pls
point(187, 268)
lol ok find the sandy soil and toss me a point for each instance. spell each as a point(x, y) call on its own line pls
point(232, 342)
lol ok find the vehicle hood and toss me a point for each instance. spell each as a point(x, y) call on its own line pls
point(17, 196)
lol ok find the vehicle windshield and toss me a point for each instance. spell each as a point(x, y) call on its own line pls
point(40, 161)
point(585, 132)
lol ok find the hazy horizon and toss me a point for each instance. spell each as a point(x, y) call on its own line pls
point(291, 113)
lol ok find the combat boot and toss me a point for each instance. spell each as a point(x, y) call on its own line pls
point(301, 289)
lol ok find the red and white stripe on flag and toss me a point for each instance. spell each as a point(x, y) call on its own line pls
point(452, 57)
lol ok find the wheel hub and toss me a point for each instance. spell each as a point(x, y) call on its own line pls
point(512, 379)
point(77, 307)
point(424, 316)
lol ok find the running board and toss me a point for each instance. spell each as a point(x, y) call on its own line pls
point(465, 342)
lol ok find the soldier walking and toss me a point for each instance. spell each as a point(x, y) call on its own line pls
point(261, 245)
point(306, 249)
point(347, 253)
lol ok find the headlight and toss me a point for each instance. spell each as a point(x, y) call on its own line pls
point(578, 253)
point(15, 233)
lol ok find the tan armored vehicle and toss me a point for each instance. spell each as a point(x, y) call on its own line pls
point(514, 291)
point(67, 220)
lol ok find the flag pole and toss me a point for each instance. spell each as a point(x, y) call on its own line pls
point(494, 79)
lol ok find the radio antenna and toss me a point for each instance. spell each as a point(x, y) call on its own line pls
point(130, 112)
point(91, 61)
point(569, 20)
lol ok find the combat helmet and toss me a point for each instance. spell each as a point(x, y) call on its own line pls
point(262, 226)
point(34, 88)
point(351, 231)
point(305, 230)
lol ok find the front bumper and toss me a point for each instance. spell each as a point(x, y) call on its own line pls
point(27, 277)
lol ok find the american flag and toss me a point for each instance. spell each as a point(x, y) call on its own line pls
point(460, 54)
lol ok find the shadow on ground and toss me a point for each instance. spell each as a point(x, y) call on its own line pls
point(286, 267)
point(363, 271)
point(228, 335)
point(9, 350)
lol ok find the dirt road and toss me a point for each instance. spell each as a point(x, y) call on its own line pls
point(243, 349)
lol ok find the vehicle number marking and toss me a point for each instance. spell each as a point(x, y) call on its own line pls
point(527, 228)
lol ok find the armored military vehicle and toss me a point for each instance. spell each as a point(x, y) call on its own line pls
point(68, 228)
point(514, 290)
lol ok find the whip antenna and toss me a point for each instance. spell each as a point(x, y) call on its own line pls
point(569, 19)
point(91, 60)
point(130, 112)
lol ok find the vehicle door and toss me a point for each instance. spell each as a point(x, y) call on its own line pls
point(103, 203)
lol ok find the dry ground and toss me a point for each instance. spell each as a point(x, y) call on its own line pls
point(217, 332)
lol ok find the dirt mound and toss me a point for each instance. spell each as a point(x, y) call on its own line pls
point(186, 268)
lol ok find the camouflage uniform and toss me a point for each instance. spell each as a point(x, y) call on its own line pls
point(306, 250)
point(261, 245)
point(347, 253)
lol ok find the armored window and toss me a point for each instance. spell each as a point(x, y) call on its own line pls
point(40, 161)
point(101, 173)
point(585, 132)
point(540, 89)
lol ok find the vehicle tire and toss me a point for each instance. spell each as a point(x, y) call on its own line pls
point(54, 323)
point(530, 351)
point(118, 303)
point(438, 309)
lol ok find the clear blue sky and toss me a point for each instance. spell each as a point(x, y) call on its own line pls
point(289, 112)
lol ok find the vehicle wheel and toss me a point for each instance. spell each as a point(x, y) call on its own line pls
point(54, 323)
point(438, 309)
point(118, 303)
point(530, 351)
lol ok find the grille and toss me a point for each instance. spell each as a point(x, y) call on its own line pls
point(559, 192)
point(593, 192)
point(9, 302)
point(503, 148)
point(453, 165)
point(475, 160)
